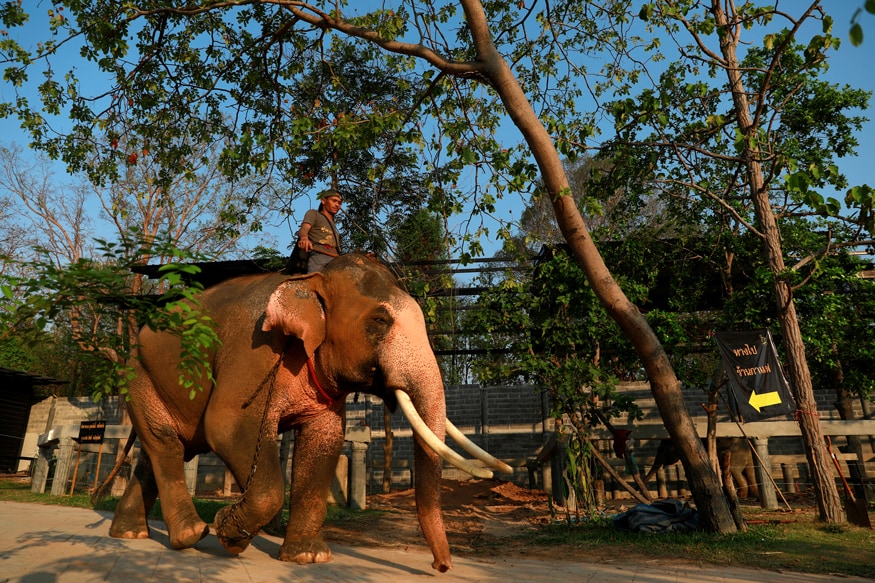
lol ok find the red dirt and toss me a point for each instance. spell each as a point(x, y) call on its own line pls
point(484, 517)
point(479, 515)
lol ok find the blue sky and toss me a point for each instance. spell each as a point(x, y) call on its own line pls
point(853, 66)
point(850, 65)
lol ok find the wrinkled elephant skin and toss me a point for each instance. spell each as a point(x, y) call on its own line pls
point(359, 330)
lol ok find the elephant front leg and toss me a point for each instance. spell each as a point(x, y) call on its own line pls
point(317, 448)
point(259, 475)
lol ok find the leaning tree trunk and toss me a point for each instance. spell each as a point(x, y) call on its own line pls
point(828, 500)
point(666, 389)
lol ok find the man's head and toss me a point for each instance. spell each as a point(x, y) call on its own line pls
point(331, 200)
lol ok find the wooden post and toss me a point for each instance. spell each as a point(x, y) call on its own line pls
point(787, 471)
point(190, 469)
point(97, 471)
point(762, 469)
point(41, 471)
point(62, 466)
point(226, 489)
point(661, 483)
point(683, 491)
point(75, 468)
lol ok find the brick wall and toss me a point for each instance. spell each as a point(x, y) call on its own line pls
point(507, 421)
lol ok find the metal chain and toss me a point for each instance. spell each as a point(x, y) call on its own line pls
point(270, 379)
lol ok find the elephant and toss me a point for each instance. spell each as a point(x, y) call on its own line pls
point(741, 463)
point(292, 348)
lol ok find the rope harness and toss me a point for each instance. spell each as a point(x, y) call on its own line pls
point(312, 368)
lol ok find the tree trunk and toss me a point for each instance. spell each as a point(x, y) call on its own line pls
point(666, 389)
point(729, 489)
point(856, 469)
point(828, 501)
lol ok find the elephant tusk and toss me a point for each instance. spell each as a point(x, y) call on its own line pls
point(432, 441)
point(475, 450)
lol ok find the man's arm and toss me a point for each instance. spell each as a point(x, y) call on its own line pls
point(304, 237)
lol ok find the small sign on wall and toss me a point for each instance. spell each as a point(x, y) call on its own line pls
point(92, 431)
point(757, 384)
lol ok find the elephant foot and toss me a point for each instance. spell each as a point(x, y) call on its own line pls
point(128, 533)
point(187, 537)
point(305, 551)
point(129, 525)
point(233, 538)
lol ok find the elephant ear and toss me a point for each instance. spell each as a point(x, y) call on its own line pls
point(295, 308)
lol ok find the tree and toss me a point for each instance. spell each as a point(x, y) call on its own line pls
point(856, 32)
point(52, 214)
point(755, 134)
point(219, 67)
point(194, 71)
point(193, 214)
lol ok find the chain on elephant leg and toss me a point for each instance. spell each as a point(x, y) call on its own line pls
point(230, 532)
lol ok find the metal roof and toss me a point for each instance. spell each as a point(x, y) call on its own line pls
point(211, 272)
point(7, 374)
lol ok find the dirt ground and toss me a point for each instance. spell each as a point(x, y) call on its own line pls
point(480, 516)
point(485, 517)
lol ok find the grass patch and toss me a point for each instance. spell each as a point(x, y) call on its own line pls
point(796, 544)
point(18, 490)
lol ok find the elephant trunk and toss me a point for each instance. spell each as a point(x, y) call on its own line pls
point(428, 468)
point(412, 373)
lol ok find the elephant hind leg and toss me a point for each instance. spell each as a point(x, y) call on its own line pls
point(131, 514)
point(162, 446)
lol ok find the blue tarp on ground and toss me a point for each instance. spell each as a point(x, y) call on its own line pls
point(661, 516)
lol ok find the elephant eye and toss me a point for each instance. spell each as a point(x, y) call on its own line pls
point(382, 316)
point(380, 322)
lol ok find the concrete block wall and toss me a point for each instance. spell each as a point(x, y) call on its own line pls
point(511, 422)
point(54, 411)
point(507, 421)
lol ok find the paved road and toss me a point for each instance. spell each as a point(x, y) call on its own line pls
point(55, 544)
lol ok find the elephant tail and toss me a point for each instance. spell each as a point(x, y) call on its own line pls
point(101, 492)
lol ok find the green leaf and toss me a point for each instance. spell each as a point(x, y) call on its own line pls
point(856, 34)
